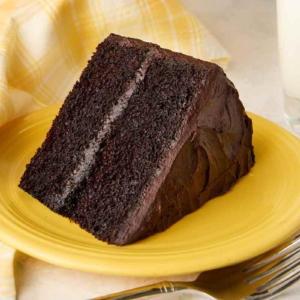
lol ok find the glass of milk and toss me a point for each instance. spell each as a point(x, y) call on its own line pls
point(288, 20)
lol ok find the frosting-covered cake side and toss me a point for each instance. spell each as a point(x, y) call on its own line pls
point(145, 137)
point(217, 152)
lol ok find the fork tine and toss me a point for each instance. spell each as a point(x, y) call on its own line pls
point(290, 259)
point(276, 289)
point(294, 245)
point(281, 277)
point(287, 271)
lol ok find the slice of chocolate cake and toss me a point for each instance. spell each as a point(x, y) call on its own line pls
point(145, 137)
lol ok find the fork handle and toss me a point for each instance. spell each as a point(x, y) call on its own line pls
point(148, 290)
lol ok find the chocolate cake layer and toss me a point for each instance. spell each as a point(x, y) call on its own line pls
point(206, 166)
point(145, 137)
point(67, 155)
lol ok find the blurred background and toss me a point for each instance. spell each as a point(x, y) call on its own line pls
point(248, 30)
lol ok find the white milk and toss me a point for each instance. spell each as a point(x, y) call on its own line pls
point(288, 12)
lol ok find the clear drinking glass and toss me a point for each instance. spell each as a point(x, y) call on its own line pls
point(288, 20)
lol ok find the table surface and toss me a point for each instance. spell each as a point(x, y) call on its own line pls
point(247, 29)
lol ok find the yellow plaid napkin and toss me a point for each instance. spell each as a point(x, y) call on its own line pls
point(7, 286)
point(44, 45)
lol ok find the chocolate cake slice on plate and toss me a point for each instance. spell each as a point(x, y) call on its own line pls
point(145, 137)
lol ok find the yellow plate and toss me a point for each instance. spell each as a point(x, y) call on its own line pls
point(259, 212)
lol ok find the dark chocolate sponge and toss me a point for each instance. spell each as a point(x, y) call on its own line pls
point(145, 137)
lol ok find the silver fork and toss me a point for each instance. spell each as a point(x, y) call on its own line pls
point(256, 279)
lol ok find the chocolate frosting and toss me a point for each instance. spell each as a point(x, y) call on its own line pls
point(217, 152)
point(145, 137)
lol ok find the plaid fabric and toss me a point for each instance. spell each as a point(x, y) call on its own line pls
point(44, 45)
point(7, 285)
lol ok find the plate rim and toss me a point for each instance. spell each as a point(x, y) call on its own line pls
point(184, 266)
